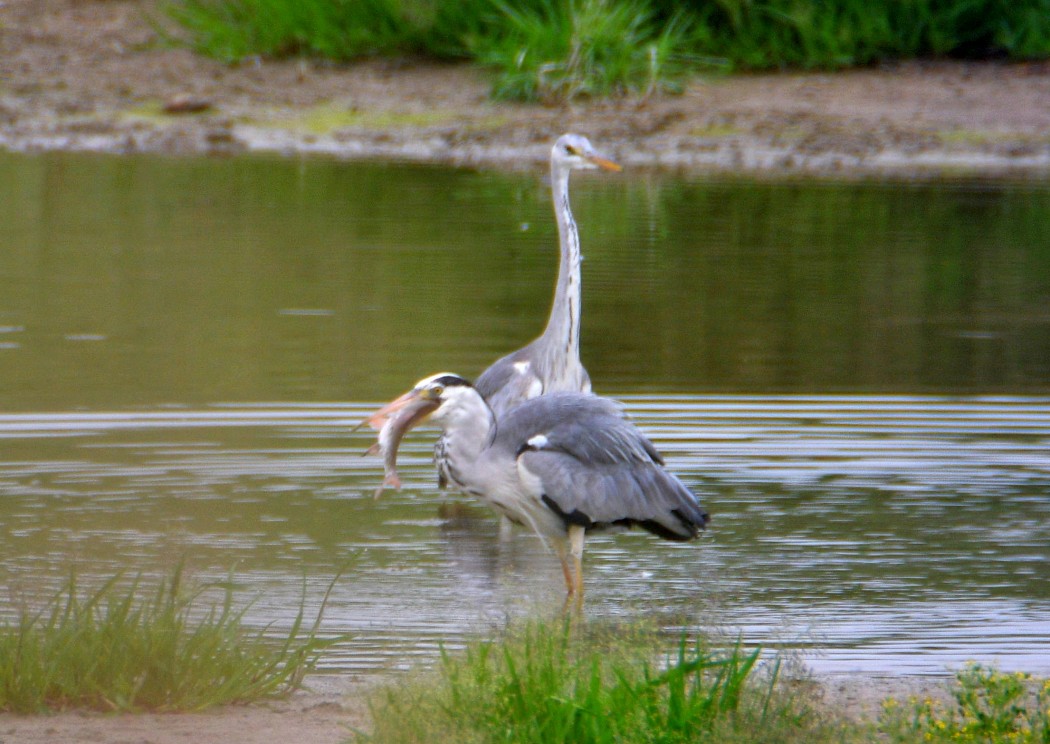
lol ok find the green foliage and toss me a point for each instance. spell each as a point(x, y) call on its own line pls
point(990, 707)
point(562, 49)
point(117, 650)
point(565, 49)
point(761, 34)
point(451, 29)
point(232, 30)
point(550, 684)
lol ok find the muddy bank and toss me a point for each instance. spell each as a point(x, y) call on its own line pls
point(336, 708)
point(93, 76)
point(327, 715)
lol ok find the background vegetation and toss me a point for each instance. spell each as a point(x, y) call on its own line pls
point(562, 49)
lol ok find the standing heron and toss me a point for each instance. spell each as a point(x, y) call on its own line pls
point(551, 362)
point(562, 464)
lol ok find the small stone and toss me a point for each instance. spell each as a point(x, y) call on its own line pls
point(186, 104)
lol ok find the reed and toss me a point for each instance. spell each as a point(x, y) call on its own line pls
point(550, 683)
point(123, 647)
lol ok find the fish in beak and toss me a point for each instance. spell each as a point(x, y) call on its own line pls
point(393, 421)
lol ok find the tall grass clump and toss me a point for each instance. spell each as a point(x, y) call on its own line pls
point(232, 30)
point(125, 648)
point(566, 49)
point(547, 684)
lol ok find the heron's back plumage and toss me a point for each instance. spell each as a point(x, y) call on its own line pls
point(528, 373)
point(595, 469)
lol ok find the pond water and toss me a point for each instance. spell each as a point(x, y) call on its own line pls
point(854, 377)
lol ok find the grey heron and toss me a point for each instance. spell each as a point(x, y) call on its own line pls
point(562, 464)
point(552, 361)
point(549, 363)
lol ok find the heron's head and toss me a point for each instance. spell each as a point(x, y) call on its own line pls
point(441, 388)
point(430, 397)
point(575, 151)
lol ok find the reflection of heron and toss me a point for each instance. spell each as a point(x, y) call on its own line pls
point(552, 361)
point(561, 464)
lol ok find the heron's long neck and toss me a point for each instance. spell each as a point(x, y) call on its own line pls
point(468, 428)
point(563, 326)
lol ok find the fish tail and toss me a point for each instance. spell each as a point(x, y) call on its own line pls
point(391, 479)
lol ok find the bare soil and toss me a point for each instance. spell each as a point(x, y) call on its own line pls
point(94, 75)
point(317, 717)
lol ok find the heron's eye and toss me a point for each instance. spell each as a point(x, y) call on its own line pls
point(570, 150)
point(437, 391)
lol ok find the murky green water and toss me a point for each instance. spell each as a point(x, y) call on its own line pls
point(856, 378)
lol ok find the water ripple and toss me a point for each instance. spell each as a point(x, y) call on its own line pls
point(869, 533)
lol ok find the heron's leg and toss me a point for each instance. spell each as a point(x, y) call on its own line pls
point(576, 535)
point(506, 530)
point(561, 549)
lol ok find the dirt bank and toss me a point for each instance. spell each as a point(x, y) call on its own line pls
point(92, 75)
point(328, 715)
point(336, 708)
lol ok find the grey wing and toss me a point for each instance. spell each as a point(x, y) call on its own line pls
point(590, 428)
point(601, 471)
point(509, 382)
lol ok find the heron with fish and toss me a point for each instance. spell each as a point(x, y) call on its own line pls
point(530, 439)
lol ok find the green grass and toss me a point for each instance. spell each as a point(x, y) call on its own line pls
point(127, 648)
point(827, 34)
point(123, 647)
point(566, 49)
point(550, 683)
point(232, 30)
point(557, 50)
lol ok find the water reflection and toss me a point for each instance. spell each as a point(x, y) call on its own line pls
point(172, 333)
point(148, 280)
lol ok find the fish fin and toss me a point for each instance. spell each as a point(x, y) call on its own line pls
point(392, 479)
point(375, 449)
point(376, 421)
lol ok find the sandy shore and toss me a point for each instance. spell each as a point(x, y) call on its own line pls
point(327, 714)
point(93, 76)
